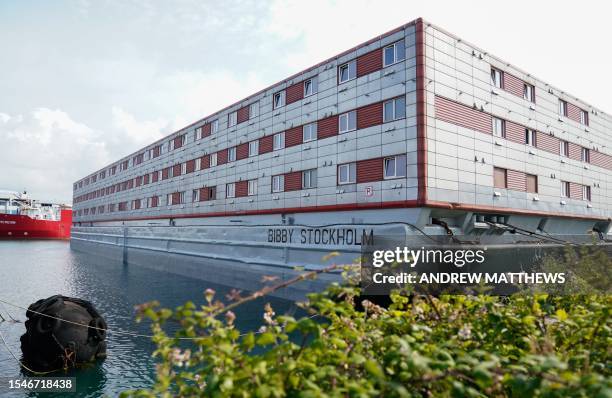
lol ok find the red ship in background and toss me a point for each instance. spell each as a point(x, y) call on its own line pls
point(24, 218)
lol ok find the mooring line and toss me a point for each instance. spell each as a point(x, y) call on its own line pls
point(20, 362)
point(115, 331)
point(8, 313)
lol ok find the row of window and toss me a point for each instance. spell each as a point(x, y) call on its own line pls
point(391, 54)
point(563, 111)
point(566, 191)
point(500, 180)
point(585, 153)
point(393, 167)
point(393, 109)
point(498, 79)
point(499, 130)
point(309, 87)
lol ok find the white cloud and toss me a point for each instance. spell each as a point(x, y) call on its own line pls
point(324, 29)
point(41, 152)
point(46, 150)
point(195, 94)
point(183, 97)
point(134, 131)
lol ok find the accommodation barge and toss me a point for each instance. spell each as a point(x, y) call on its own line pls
point(415, 133)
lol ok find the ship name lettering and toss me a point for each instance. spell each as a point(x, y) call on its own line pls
point(334, 236)
point(322, 236)
point(280, 235)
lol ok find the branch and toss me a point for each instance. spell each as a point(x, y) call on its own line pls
point(433, 305)
point(269, 289)
point(587, 360)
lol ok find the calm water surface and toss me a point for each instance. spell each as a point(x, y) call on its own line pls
point(33, 270)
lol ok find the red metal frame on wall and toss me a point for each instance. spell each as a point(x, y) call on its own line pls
point(421, 108)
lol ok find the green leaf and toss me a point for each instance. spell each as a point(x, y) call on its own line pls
point(373, 368)
point(266, 338)
point(561, 314)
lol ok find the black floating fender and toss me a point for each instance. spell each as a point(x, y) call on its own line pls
point(62, 332)
point(97, 329)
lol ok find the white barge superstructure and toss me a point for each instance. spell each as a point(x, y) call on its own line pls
point(415, 132)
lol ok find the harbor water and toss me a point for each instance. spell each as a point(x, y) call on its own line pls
point(33, 270)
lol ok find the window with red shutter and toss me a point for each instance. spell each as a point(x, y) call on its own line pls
point(295, 93)
point(206, 130)
point(208, 193)
point(176, 170)
point(370, 115)
point(327, 127)
point(190, 166)
point(499, 178)
point(370, 170)
point(203, 194)
point(293, 137)
point(205, 162)
point(243, 114)
point(532, 183)
point(242, 189)
point(242, 151)
point(222, 157)
point(266, 144)
point(292, 181)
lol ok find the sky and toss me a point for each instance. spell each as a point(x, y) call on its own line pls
point(86, 82)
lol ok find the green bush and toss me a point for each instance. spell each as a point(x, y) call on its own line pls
point(421, 346)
